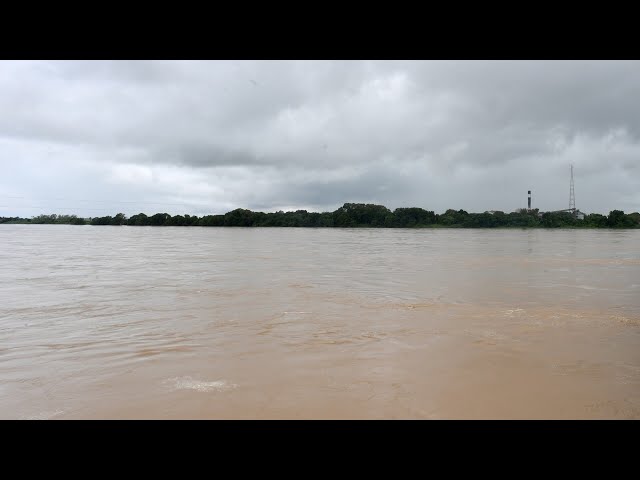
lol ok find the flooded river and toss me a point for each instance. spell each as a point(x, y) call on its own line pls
point(255, 323)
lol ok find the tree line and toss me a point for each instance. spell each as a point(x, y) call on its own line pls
point(355, 215)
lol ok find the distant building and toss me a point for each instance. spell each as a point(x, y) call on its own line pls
point(577, 214)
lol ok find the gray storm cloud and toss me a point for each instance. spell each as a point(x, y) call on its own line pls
point(97, 137)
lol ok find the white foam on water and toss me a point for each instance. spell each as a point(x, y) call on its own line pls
point(188, 383)
point(589, 287)
point(43, 415)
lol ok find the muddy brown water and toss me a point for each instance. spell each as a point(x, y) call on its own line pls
point(235, 323)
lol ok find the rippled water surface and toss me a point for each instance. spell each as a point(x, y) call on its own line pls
point(142, 322)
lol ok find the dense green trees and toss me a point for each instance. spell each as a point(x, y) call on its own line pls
point(451, 217)
point(102, 220)
point(61, 219)
point(119, 219)
point(159, 219)
point(357, 215)
point(239, 218)
point(617, 219)
point(140, 219)
point(360, 214)
point(14, 220)
point(212, 221)
point(595, 220)
point(411, 217)
point(558, 219)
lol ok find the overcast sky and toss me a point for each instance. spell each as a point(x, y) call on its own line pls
point(201, 137)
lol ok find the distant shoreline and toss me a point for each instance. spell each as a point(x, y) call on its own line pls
point(354, 215)
point(360, 227)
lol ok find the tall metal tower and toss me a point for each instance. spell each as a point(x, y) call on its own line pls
point(572, 195)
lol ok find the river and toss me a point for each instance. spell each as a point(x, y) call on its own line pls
point(253, 323)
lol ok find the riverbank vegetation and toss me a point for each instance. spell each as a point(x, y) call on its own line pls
point(354, 215)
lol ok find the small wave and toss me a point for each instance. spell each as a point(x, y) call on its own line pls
point(373, 335)
point(589, 287)
point(625, 320)
point(43, 415)
point(412, 306)
point(299, 285)
point(188, 383)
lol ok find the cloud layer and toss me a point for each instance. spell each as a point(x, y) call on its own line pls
point(198, 137)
